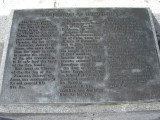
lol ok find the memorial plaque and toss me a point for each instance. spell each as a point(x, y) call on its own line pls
point(95, 55)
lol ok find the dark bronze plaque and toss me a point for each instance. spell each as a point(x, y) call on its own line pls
point(81, 56)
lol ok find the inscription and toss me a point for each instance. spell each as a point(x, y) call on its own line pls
point(81, 63)
point(35, 48)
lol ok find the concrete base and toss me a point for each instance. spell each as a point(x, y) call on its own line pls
point(148, 115)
